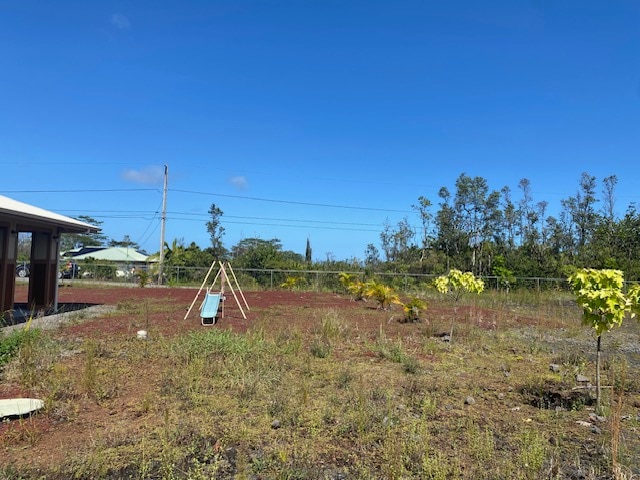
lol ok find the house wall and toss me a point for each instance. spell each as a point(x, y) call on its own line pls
point(8, 255)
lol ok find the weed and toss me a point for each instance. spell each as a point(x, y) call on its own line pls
point(532, 453)
point(320, 347)
point(331, 326)
point(390, 350)
point(410, 364)
point(345, 378)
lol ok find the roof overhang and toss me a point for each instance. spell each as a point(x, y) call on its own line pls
point(30, 216)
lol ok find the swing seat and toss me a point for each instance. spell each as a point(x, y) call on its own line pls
point(210, 308)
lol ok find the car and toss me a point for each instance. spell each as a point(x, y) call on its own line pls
point(23, 270)
point(70, 270)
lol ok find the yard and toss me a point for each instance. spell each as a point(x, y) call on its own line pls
point(315, 385)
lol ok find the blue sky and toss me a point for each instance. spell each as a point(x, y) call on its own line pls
point(319, 119)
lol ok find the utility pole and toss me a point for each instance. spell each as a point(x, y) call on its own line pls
point(163, 221)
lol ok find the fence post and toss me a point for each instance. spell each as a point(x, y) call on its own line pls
point(271, 272)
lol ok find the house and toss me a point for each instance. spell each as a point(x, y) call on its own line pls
point(121, 255)
point(45, 228)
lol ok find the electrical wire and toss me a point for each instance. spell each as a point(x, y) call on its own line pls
point(291, 202)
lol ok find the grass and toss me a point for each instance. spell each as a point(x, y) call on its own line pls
point(330, 402)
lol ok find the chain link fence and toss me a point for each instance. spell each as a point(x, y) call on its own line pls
point(314, 280)
point(328, 280)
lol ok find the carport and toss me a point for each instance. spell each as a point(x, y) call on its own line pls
point(45, 228)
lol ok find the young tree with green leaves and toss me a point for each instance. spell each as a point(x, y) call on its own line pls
point(604, 303)
point(456, 284)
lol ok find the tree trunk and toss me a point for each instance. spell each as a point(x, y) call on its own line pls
point(598, 376)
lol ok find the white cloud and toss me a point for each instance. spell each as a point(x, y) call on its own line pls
point(120, 21)
point(151, 175)
point(239, 182)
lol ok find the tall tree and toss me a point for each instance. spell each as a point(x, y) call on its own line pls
point(372, 256)
point(125, 242)
point(69, 241)
point(584, 214)
point(479, 216)
point(426, 221)
point(528, 214)
point(307, 252)
point(449, 239)
point(609, 197)
point(396, 242)
point(509, 218)
point(216, 232)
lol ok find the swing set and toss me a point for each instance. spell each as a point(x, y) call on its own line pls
point(212, 306)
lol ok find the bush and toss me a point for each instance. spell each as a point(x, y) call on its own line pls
point(412, 309)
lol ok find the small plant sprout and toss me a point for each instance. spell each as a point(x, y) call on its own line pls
point(600, 294)
point(456, 284)
point(381, 293)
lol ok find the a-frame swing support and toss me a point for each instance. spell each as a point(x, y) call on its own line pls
point(212, 305)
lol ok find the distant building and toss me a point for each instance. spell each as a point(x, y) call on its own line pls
point(123, 255)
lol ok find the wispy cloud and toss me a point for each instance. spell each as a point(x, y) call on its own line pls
point(239, 182)
point(151, 175)
point(120, 21)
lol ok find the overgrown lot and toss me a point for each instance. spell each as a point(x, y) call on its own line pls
point(318, 386)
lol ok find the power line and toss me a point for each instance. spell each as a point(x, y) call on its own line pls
point(291, 202)
point(342, 229)
point(144, 214)
point(279, 219)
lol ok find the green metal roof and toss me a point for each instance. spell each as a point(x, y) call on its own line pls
point(114, 254)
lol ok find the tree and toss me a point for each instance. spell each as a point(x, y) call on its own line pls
point(256, 253)
point(69, 241)
point(582, 212)
point(509, 219)
point(396, 242)
point(125, 242)
point(604, 304)
point(24, 247)
point(307, 253)
point(426, 219)
point(456, 284)
point(478, 215)
point(449, 239)
point(216, 232)
point(609, 197)
point(371, 257)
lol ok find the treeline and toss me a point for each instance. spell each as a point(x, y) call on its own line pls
point(490, 232)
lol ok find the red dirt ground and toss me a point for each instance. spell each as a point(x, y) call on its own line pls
point(163, 309)
point(161, 312)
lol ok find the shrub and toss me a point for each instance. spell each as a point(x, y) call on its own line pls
point(383, 294)
point(412, 309)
